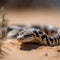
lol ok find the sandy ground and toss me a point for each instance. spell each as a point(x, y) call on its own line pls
point(14, 50)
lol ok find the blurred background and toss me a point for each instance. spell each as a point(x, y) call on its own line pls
point(30, 3)
point(32, 11)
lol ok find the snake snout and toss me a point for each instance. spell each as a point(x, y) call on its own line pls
point(20, 38)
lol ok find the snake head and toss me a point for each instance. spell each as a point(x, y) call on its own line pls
point(26, 37)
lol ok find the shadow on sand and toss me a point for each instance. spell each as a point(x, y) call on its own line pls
point(29, 46)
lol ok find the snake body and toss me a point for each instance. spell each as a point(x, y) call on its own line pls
point(44, 35)
point(40, 36)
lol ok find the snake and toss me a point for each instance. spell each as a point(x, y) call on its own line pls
point(43, 35)
point(48, 35)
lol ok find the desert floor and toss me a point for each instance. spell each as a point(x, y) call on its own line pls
point(14, 50)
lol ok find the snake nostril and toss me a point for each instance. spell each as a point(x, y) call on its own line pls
point(20, 38)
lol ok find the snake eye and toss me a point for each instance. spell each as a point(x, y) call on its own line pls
point(27, 36)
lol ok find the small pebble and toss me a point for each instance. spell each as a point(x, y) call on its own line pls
point(58, 50)
point(46, 54)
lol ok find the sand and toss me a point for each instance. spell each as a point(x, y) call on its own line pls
point(14, 50)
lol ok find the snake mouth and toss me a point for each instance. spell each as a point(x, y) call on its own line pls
point(21, 39)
